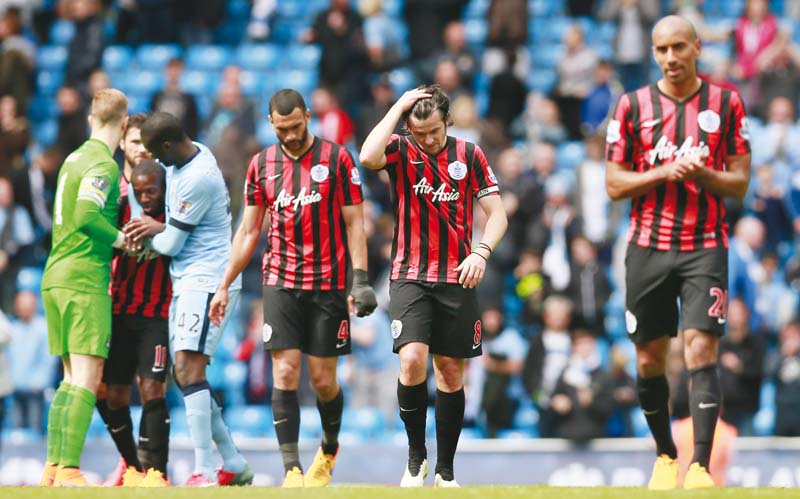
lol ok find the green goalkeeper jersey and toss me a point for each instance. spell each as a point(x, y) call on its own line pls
point(84, 221)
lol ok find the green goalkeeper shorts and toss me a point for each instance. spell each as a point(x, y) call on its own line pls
point(77, 322)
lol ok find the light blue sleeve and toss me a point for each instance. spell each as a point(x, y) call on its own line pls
point(23, 228)
point(170, 242)
point(192, 199)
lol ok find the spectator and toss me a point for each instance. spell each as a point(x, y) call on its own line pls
point(71, 120)
point(775, 301)
point(588, 287)
point(580, 8)
point(521, 200)
point(624, 393)
point(769, 205)
point(343, 65)
point(14, 137)
point(258, 28)
point(448, 77)
point(741, 369)
point(384, 42)
point(333, 123)
point(32, 366)
point(744, 271)
point(98, 80)
point(17, 59)
point(373, 111)
point(547, 357)
point(575, 70)
point(541, 121)
point(426, 20)
point(465, 125)
point(785, 371)
point(593, 205)
point(16, 234)
point(757, 44)
point(198, 19)
point(173, 100)
point(779, 141)
point(231, 134)
point(157, 21)
point(373, 365)
point(508, 32)
point(504, 356)
point(35, 190)
point(632, 43)
point(583, 396)
point(455, 49)
point(533, 288)
point(5, 375)
point(602, 95)
point(507, 94)
point(86, 47)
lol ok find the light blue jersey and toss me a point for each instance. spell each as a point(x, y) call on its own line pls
point(197, 203)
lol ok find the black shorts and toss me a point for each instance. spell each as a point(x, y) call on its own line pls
point(443, 316)
point(656, 279)
point(316, 322)
point(139, 345)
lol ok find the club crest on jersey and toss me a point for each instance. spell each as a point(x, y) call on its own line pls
point(397, 328)
point(285, 199)
point(492, 178)
point(355, 177)
point(319, 173)
point(438, 195)
point(183, 207)
point(100, 183)
point(613, 131)
point(708, 121)
point(744, 128)
point(666, 150)
point(457, 170)
point(266, 332)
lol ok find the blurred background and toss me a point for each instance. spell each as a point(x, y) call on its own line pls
point(530, 81)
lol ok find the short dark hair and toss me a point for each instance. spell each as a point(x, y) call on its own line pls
point(163, 127)
point(148, 167)
point(135, 121)
point(285, 101)
point(424, 108)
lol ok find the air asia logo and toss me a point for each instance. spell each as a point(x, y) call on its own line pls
point(285, 199)
point(665, 150)
point(440, 195)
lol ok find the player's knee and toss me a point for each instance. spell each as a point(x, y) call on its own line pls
point(324, 384)
point(117, 397)
point(286, 374)
point(649, 365)
point(152, 389)
point(413, 363)
point(701, 350)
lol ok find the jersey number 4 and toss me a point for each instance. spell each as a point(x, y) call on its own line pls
point(194, 319)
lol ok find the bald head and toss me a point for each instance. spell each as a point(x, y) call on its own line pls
point(672, 25)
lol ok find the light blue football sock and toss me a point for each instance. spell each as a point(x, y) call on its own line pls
point(232, 459)
point(197, 398)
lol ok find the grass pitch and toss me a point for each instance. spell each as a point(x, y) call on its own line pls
point(346, 492)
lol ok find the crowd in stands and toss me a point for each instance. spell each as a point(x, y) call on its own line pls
point(530, 81)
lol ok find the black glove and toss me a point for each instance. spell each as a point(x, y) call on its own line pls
point(363, 294)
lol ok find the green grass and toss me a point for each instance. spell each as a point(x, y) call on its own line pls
point(538, 492)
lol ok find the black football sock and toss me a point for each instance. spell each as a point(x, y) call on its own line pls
point(330, 413)
point(705, 398)
point(654, 398)
point(413, 402)
point(286, 418)
point(154, 435)
point(120, 427)
point(449, 420)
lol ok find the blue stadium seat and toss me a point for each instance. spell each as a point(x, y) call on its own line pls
point(138, 104)
point(556, 26)
point(62, 32)
point(542, 80)
point(475, 30)
point(537, 31)
point(235, 381)
point(292, 9)
point(237, 8)
point(156, 56)
point(257, 56)
point(29, 279)
point(45, 133)
point(474, 433)
point(252, 83)
point(526, 416)
point(402, 79)
point(117, 57)
point(285, 31)
point(48, 82)
point(265, 134)
point(366, 420)
point(570, 154)
point(252, 420)
point(547, 56)
point(764, 420)
point(144, 83)
point(178, 426)
point(310, 426)
point(303, 56)
point(51, 58)
point(394, 8)
point(231, 32)
point(42, 108)
point(199, 82)
point(304, 81)
point(208, 57)
point(476, 9)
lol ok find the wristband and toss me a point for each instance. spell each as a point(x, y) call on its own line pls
point(120, 241)
point(360, 277)
point(486, 247)
point(484, 258)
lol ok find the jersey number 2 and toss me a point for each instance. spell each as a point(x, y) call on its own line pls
point(720, 307)
point(193, 326)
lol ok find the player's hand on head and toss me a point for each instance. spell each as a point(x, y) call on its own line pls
point(362, 299)
point(410, 97)
point(471, 270)
point(216, 310)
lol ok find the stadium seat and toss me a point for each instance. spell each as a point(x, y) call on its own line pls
point(138, 104)
point(155, 56)
point(304, 81)
point(47, 82)
point(45, 132)
point(292, 9)
point(230, 32)
point(42, 108)
point(476, 30)
point(556, 27)
point(547, 56)
point(257, 56)
point(475, 9)
point(251, 420)
point(144, 83)
point(117, 57)
point(402, 79)
point(208, 57)
point(517, 434)
point(178, 426)
point(570, 155)
point(62, 32)
point(542, 80)
point(51, 58)
point(394, 8)
point(265, 134)
point(199, 82)
point(305, 56)
point(368, 421)
point(252, 83)
point(310, 426)
point(237, 9)
point(235, 381)
point(285, 31)
point(764, 420)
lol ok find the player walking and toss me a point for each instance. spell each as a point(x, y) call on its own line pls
point(75, 283)
point(312, 191)
point(197, 237)
point(677, 148)
point(435, 269)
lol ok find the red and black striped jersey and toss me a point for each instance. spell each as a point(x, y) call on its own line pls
point(648, 129)
point(307, 238)
point(143, 287)
point(433, 202)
